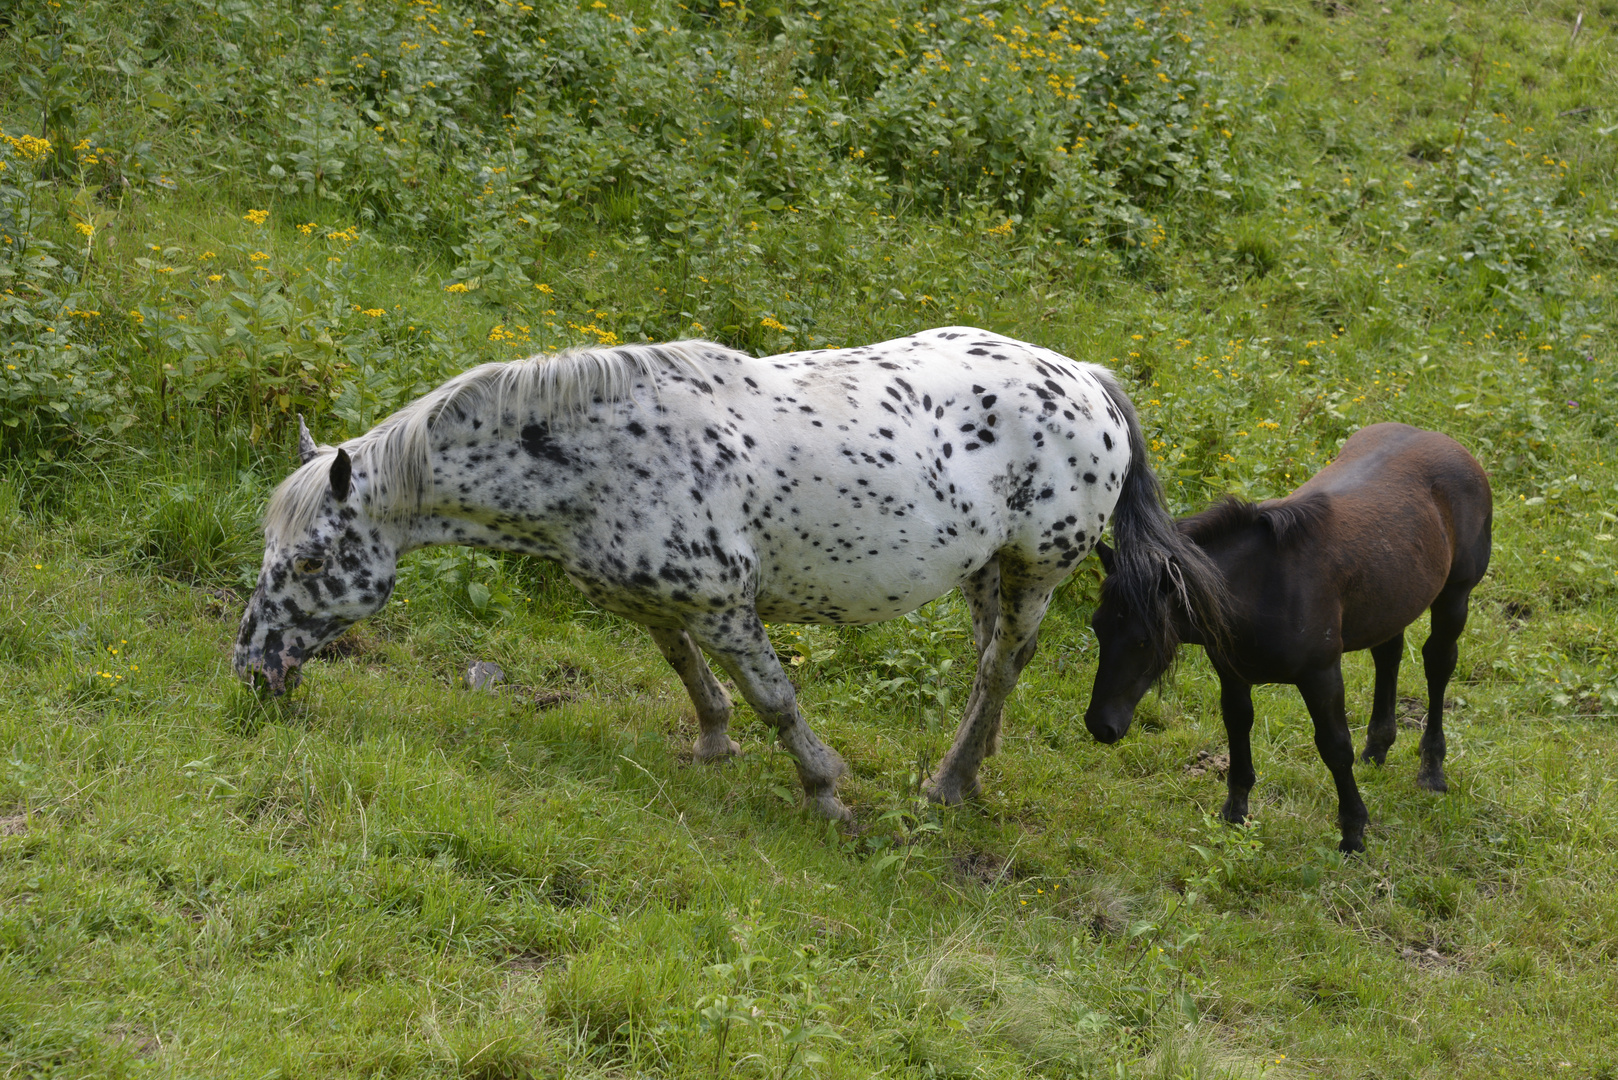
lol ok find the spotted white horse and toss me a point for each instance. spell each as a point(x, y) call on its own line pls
point(702, 492)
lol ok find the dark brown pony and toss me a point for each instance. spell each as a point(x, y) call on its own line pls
point(1399, 522)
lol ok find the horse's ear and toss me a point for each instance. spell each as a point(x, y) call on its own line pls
point(342, 470)
point(306, 442)
point(1104, 553)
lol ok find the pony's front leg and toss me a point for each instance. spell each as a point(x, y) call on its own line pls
point(1010, 648)
point(736, 639)
point(712, 703)
point(1323, 693)
point(1236, 703)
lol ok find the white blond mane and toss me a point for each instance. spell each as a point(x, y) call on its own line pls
point(394, 454)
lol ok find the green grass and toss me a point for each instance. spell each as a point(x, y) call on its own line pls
point(388, 875)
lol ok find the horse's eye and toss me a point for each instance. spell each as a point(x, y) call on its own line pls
point(309, 566)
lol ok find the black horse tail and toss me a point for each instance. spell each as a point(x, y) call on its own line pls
point(1156, 569)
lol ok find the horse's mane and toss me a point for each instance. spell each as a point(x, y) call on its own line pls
point(1289, 520)
point(394, 454)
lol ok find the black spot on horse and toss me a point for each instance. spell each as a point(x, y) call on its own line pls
point(536, 439)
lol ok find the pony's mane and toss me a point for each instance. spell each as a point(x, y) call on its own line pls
point(394, 454)
point(1289, 520)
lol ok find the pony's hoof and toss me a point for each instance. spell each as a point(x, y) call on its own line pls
point(828, 805)
point(1433, 782)
point(1233, 814)
point(1351, 845)
point(949, 790)
point(719, 747)
point(1376, 756)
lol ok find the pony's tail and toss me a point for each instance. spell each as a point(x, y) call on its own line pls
point(1154, 564)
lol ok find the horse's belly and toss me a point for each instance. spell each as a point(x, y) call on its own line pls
point(856, 593)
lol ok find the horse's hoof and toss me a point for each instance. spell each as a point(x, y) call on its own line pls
point(1351, 845)
point(715, 748)
point(828, 805)
point(1233, 815)
point(1433, 782)
point(949, 790)
point(1375, 757)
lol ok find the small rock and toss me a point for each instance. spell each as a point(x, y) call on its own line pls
point(483, 675)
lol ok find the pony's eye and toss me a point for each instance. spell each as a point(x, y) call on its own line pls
point(308, 566)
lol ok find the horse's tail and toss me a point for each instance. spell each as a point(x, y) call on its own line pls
point(1156, 568)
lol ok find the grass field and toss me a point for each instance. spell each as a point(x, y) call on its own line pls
point(1320, 216)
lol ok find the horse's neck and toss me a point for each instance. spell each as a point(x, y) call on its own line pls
point(475, 516)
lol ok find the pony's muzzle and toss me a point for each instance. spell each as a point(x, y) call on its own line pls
point(1106, 726)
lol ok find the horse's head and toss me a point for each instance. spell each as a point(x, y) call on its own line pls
point(326, 566)
point(1135, 652)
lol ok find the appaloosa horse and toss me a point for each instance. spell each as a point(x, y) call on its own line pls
point(700, 491)
point(1399, 522)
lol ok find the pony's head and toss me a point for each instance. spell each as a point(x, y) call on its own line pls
point(1138, 644)
point(327, 565)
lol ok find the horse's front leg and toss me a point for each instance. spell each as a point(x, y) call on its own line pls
point(736, 639)
point(1323, 693)
point(1011, 646)
point(712, 703)
point(1236, 703)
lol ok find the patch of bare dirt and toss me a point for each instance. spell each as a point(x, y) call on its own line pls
point(14, 825)
point(1410, 712)
point(354, 645)
point(983, 867)
point(530, 961)
point(1204, 763)
point(1430, 960)
point(223, 603)
point(143, 1044)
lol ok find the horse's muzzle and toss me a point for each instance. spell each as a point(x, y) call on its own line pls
point(1106, 725)
point(274, 677)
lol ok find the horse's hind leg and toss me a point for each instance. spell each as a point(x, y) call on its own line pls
point(1011, 646)
point(982, 592)
point(1438, 657)
point(1382, 730)
point(710, 699)
point(736, 639)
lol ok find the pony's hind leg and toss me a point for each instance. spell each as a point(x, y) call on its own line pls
point(1382, 730)
point(736, 639)
point(712, 703)
point(1438, 655)
point(1011, 646)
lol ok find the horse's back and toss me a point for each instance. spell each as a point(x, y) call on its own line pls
point(1395, 475)
point(1409, 515)
point(864, 482)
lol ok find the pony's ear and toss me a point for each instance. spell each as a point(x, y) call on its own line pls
point(1104, 553)
point(342, 470)
point(306, 442)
